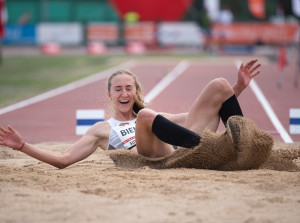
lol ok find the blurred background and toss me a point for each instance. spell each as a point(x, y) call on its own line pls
point(138, 26)
point(46, 44)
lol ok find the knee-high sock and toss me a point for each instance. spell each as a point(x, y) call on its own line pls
point(229, 108)
point(174, 134)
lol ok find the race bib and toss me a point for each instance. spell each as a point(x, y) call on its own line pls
point(126, 133)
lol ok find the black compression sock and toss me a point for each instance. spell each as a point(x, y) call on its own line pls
point(229, 108)
point(174, 134)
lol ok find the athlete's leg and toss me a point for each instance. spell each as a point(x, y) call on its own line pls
point(174, 134)
point(147, 143)
point(205, 110)
point(156, 129)
point(229, 108)
point(153, 132)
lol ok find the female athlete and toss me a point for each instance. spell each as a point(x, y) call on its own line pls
point(142, 130)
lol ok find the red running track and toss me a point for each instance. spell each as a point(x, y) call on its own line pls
point(54, 119)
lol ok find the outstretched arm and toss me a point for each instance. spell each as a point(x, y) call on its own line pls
point(78, 151)
point(245, 74)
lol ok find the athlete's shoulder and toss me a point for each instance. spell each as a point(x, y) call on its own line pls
point(100, 129)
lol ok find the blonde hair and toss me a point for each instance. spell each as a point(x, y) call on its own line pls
point(139, 97)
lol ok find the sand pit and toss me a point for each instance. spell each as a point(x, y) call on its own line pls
point(95, 190)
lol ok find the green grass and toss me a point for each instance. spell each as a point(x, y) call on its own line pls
point(22, 77)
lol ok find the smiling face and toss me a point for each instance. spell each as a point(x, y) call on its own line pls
point(122, 92)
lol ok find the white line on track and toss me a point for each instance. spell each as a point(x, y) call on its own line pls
point(63, 89)
point(171, 76)
point(268, 109)
point(270, 112)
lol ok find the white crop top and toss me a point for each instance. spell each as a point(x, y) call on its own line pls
point(122, 134)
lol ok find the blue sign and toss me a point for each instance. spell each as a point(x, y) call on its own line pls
point(295, 120)
point(86, 118)
point(20, 35)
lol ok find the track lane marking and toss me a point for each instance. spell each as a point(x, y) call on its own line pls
point(66, 88)
point(167, 80)
point(268, 108)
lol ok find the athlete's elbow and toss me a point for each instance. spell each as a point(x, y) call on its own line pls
point(62, 163)
point(61, 166)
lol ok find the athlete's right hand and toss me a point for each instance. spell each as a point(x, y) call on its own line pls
point(10, 138)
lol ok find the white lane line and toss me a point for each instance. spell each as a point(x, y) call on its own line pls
point(270, 112)
point(63, 89)
point(171, 76)
point(268, 109)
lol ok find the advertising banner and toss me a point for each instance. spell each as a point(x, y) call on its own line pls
point(23, 35)
point(144, 32)
point(251, 33)
point(62, 33)
point(103, 32)
point(180, 33)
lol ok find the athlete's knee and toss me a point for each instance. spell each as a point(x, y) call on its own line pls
point(146, 115)
point(222, 86)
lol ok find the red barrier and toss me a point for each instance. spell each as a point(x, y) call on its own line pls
point(51, 48)
point(96, 48)
point(136, 48)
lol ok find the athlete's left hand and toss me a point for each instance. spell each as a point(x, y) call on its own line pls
point(245, 74)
